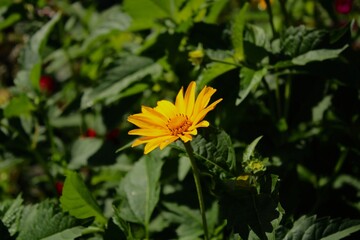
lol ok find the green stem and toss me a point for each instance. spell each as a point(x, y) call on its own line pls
point(271, 17)
point(196, 174)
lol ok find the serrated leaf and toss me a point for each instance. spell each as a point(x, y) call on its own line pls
point(317, 55)
point(299, 40)
point(216, 152)
point(250, 149)
point(19, 106)
point(306, 228)
point(67, 234)
point(140, 190)
point(249, 80)
point(78, 201)
point(247, 210)
point(126, 71)
point(44, 220)
point(237, 33)
point(11, 217)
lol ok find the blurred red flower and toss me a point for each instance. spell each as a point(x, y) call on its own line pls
point(343, 6)
point(91, 133)
point(47, 84)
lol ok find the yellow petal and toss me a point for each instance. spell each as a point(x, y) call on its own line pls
point(151, 112)
point(190, 98)
point(167, 142)
point(140, 141)
point(143, 121)
point(203, 112)
point(179, 102)
point(166, 108)
point(186, 138)
point(203, 99)
point(202, 124)
point(156, 142)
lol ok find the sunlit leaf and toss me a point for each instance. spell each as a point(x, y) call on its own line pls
point(78, 201)
point(237, 33)
point(250, 149)
point(19, 106)
point(213, 71)
point(67, 234)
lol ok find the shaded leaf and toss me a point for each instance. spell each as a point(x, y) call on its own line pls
point(10, 216)
point(31, 57)
point(78, 201)
point(311, 227)
point(317, 55)
point(82, 150)
point(126, 71)
point(247, 210)
point(140, 189)
point(249, 80)
point(44, 220)
point(216, 152)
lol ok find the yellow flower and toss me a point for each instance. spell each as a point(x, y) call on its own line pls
point(167, 122)
point(196, 56)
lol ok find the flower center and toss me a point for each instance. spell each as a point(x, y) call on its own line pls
point(178, 124)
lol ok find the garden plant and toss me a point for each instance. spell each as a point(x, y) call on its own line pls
point(179, 119)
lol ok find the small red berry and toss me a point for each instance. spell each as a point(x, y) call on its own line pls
point(46, 84)
point(91, 133)
point(343, 6)
point(59, 185)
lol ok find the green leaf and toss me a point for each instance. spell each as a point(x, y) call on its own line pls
point(31, 57)
point(140, 190)
point(145, 13)
point(319, 110)
point(299, 40)
point(216, 152)
point(213, 71)
point(78, 201)
point(249, 80)
point(250, 149)
point(247, 210)
point(126, 71)
point(19, 106)
point(317, 55)
point(67, 234)
point(215, 10)
point(112, 20)
point(82, 150)
point(189, 220)
point(11, 217)
point(9, 21)
point(44, 220)
point(237, 33)
point(311, 227)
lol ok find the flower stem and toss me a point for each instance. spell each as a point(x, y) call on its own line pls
point(196, 174)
